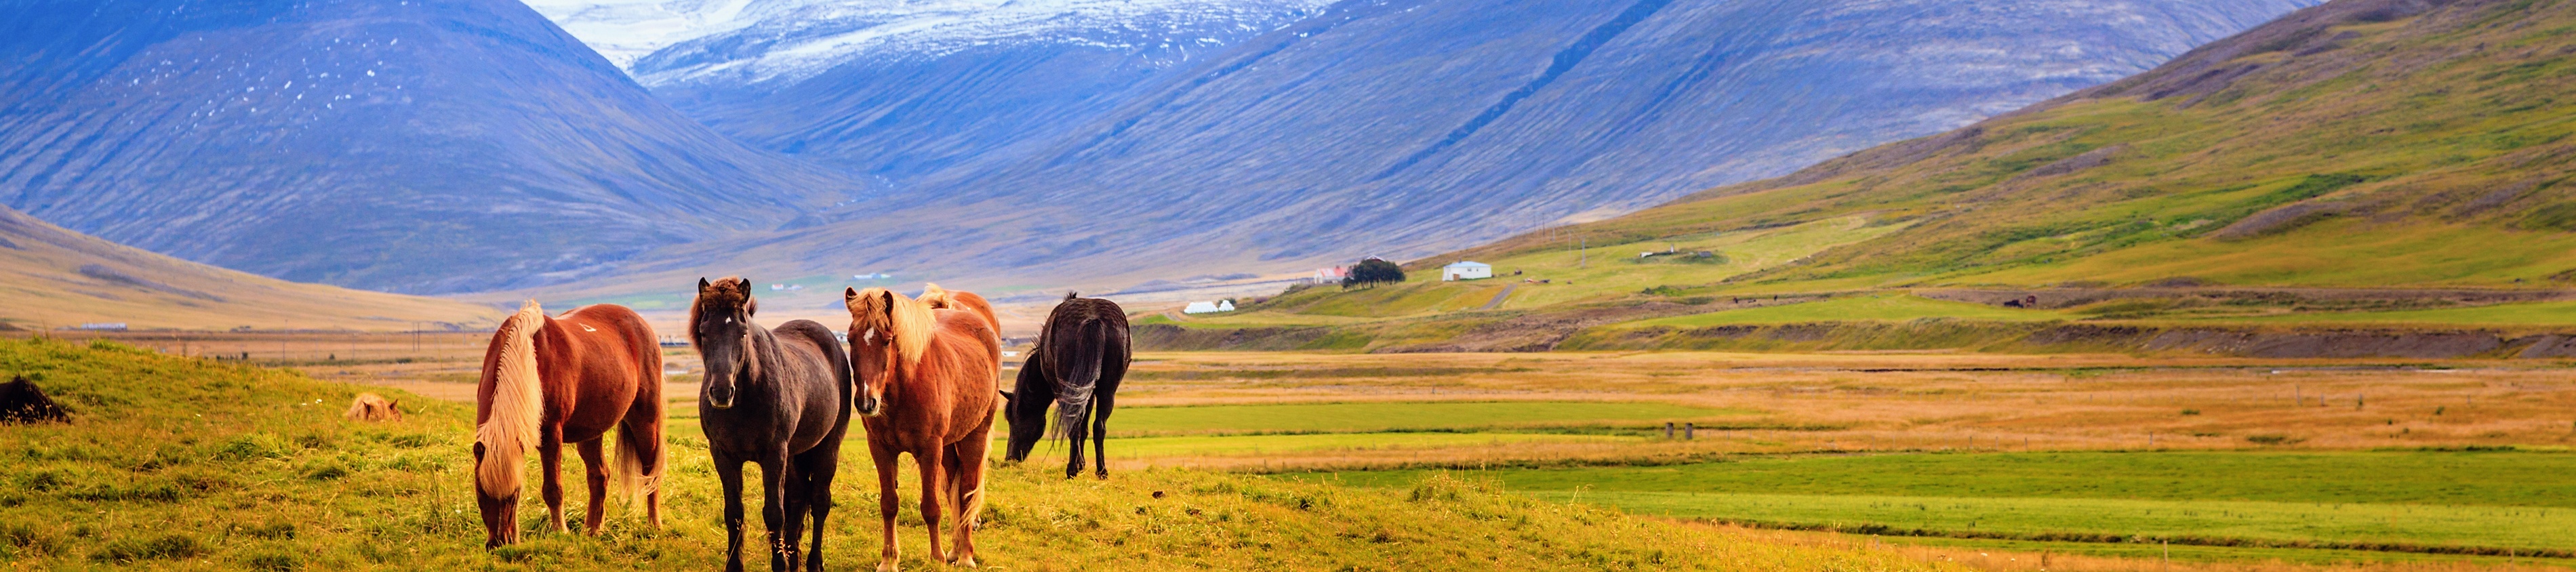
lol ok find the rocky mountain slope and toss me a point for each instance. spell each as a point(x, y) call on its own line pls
point(413, 146)
point(1404, 127)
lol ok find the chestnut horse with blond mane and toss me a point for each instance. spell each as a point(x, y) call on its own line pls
point(569, 379)
point(929, 375)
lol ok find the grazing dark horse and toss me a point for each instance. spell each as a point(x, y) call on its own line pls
point(1082, 353)
point(551, 381)
point(929, 382)
point(777, 398)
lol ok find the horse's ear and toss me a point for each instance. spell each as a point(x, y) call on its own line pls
point(703, 285)
point(746, 284)
point(889, 302)
point(848, 294)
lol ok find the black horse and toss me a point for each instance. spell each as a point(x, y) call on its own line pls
point(1081, 354)
point(780, 399)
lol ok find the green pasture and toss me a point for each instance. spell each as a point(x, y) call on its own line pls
point(1259, 445)
point(2516, 500)
point(1891, 307)
point(1399, 416)
point(2507, 315)
point(178, 463)
point(2454, 525)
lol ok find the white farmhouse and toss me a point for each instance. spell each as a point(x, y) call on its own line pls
point(1209, 307)
point(1466, 270)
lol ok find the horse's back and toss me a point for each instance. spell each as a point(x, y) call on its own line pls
point(815, 343)
point(977, 354)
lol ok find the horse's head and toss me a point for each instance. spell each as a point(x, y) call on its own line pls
point(720, 326)
point(1025, 407)
point(508, 426)
point(888, 334)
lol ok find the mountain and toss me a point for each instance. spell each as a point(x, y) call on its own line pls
point(2359, 144)
point(1404, 127)
point(415, 146)
point(900, 90)
point(51, 277)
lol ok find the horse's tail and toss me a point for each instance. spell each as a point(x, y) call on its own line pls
point(639, 457)
point(510, 431)
point(1075, 357)
point(639, 463)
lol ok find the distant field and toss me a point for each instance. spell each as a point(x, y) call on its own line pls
point(1873, 307)
point(2527, 314)
point(1376, 417)
point(2519, 500)
point(1255, 445)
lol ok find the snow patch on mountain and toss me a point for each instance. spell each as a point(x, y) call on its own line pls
point(742, 42)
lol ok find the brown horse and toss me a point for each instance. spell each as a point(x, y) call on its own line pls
point(777, 398)
point(929, 383)
point(551, 381)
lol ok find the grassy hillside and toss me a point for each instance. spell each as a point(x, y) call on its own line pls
point(2379, 146)
point(190, 464)
point(51, 277)
point(2364, 143)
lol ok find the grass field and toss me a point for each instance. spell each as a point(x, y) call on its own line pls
point(1893, 307)
point(191, 464)
point(1401, 416)
point(2494, 500)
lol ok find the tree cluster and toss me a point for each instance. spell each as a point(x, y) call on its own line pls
point(1373, 271)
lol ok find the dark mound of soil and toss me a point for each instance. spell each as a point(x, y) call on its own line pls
point(21, 402)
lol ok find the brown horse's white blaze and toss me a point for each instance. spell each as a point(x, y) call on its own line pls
point(508, 433)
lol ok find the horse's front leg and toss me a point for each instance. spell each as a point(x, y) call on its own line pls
point(773, 511)
point(550, 448)
point(729, 471)
point(934, 481)
point(887, 504)
point(596, 468)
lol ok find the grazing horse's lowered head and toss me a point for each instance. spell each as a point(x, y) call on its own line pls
point(720, 326)
point(893, 332)
point(508, 432)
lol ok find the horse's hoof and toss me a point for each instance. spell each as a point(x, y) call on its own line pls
point(968, 562)
point(886, 566)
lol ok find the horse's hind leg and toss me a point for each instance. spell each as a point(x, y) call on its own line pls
point(595, 467)
point(1073, 463)
point(966, 475)
point(816, 468)
point(793, 529)
point(1101, 403)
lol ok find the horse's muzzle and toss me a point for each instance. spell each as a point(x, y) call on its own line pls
point(870, 406)
point(720, 397)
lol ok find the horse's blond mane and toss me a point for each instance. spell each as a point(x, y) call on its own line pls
point(511, 430)
point(908, 321)
point(936, 297)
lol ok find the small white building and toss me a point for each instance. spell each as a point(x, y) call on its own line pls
point(1209, 307)
point(1466, 270)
